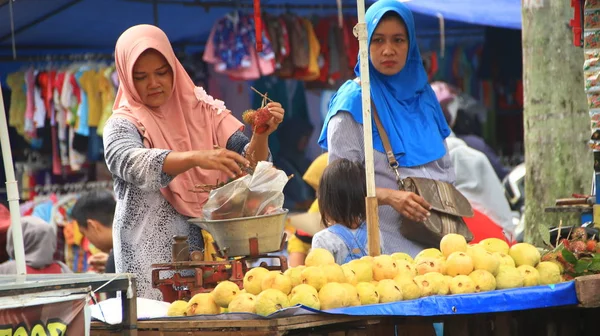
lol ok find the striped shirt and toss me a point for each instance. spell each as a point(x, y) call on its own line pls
point(345, 140)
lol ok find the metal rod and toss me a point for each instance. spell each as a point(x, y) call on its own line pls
point(71, 186)
point(60, 57)
point(40, 19)
point(155, 11)
point(12, 192)
point(232, 4)
point(12, 28)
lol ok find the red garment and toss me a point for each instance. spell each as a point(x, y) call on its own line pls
point(50, 269)
point(4, 225)
point(302, 233)
point(483, 227)
point(322, 32)
point(351, 42)
point(76, 89)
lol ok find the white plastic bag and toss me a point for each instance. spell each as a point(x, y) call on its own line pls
point(251, 195)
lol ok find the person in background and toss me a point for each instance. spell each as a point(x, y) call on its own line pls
point(342, 193)
point(466, 126)
point(94, 212)
point(478, 182)
point(39, 240)
point(299, 244)
point(293, 140)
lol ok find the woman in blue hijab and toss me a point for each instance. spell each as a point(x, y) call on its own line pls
point(409, 112)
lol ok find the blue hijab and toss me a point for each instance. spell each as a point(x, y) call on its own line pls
point(406, 104)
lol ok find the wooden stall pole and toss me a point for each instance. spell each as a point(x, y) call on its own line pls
point(12, 192)
point(360, 31)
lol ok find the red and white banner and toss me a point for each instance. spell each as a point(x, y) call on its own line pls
point(46, 319)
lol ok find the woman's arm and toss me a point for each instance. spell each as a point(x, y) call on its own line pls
point(258, 148)
point(151, 168)
point(128, 159)
point(239, 143)
point(217, 159)
point(346, 140)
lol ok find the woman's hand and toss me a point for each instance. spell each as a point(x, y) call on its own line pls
point(221, 159)
point(408, 204)
point(277, 113)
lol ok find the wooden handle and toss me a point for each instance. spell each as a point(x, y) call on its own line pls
point(571, 201)
point(373, 238)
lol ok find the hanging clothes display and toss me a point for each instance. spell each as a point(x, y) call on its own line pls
point(313, 50)
point(62, 107)
point(231, 48)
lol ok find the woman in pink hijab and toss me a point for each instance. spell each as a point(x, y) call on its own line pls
point(165, 136)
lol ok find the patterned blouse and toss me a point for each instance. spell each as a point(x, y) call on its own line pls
point(144, 221)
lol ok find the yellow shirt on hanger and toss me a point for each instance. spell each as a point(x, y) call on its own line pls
point(89, 83)
point(107, 93)
point(314, 50)
point(18, 101)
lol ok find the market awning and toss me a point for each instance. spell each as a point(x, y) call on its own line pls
point(496, 13)
point(95, 25)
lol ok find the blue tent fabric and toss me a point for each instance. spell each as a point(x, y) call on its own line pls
point(96, 24)
point(496, 13)
point(562, 294)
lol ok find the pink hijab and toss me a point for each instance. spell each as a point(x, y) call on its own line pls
point(190, 120)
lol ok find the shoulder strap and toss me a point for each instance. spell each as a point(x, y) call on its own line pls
point(345, 234)
point(384, 138)
point(352, 242)
point(386, 142)
point(361, 235)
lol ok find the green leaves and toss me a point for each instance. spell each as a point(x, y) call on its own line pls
point(582, 266)
point(569, 256)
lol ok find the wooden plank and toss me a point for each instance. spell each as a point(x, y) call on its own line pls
point(281, 323)
point(568, 323)
point(588, 290)
point(208, 333)
point(480, 325)
point(354, 320)
point(501, 324)
point(241, 326)
point(129, 311)
point(574, 209)
point(457, 325)
point(409, 329)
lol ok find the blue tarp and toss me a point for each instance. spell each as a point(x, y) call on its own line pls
point(95, 25)
point(506, 300)
point(562, 294)
point(497, 13)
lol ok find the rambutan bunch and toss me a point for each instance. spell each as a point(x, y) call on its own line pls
point(257, 119)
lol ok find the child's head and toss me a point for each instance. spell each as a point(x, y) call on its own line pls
point(342, 193)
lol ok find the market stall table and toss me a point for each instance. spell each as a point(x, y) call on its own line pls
point(12, 286)
point(563, 309)
point(296, 325)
